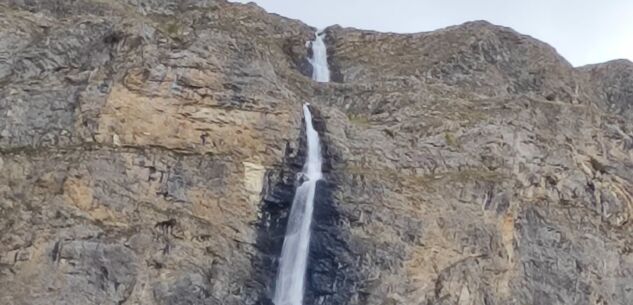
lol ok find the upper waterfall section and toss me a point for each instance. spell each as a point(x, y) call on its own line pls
point(320, 70)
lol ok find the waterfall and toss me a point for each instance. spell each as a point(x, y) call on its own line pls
point(294, 254)
point(320, 70)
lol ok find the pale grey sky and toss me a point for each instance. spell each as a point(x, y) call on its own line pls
point(583, 31)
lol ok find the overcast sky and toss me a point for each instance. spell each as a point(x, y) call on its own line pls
point(583, 31)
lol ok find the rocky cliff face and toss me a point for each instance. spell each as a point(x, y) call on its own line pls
point(149, 151)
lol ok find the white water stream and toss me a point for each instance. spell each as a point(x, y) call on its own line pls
point(293, 262)
point(320, 70)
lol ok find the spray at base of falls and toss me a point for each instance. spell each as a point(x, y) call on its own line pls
point(289, 288)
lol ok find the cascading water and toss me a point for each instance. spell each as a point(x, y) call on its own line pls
point(320, 70)
point(294, 254)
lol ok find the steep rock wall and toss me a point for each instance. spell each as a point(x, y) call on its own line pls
point(148, 152)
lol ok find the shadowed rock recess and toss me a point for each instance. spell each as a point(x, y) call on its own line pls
point(149, 151)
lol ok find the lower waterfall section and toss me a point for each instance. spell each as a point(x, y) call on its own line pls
point(331, 276)
point(289, 288)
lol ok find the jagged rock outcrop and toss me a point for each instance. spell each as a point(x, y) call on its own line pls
point(149, 151)
point(611, 82)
